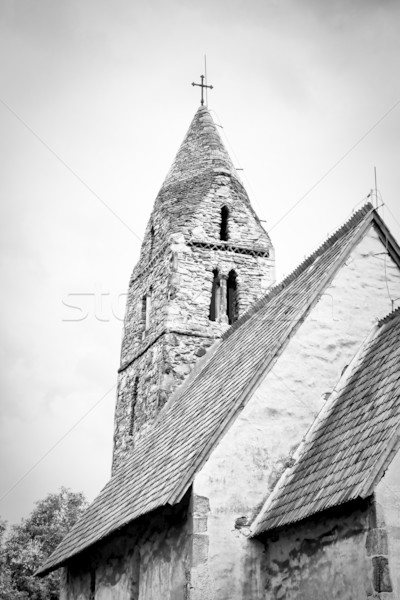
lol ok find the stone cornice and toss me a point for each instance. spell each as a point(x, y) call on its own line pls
point(227, 247)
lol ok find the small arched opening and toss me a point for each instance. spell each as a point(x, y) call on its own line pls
point(215, 296)
point(232, 304)
point(224, 224)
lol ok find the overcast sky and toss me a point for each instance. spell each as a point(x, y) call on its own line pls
point(106, 87)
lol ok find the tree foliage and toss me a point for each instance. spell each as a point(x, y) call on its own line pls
point(26, 546)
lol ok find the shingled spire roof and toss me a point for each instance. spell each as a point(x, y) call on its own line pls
point(201, 150)
point(201, 165)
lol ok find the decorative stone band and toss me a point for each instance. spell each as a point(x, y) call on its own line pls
point(230, 248)
point(206, 246)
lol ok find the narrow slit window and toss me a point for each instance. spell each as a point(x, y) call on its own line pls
point(92, 583)
point(232, 305)
point(146, 309)
point(224, 224)
point(215, 296)
point(151, 241)
point(133, 405)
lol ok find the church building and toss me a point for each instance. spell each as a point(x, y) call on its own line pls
point(257, 425)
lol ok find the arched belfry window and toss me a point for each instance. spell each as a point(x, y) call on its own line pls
point(224, 224)
point(133, 405)
point(215, 296)
point(232, 305)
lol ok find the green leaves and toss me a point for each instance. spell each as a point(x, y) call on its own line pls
point(26, 546)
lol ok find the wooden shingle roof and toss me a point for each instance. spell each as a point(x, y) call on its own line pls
point(201, 150)
point(165, 460)
point(195, 173)
point(352, 441)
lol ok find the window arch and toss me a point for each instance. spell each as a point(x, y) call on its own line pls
point(133, 405)
point(215, 296)
point(223, 235)
point(232, 304)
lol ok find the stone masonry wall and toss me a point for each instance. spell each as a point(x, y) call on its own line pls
point(136, 339)
point(322, 558)
point(169, 349)
point(160, 369)
point(340, 554)
point(147, 560)
point(384, 548)
point(181, 249)
point(199, 223)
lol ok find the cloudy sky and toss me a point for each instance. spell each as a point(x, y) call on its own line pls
point(95, 98)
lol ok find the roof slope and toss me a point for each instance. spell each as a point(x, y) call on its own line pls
point(202, 162)
point(351, 441)
point(165, 460)
point(201, 150)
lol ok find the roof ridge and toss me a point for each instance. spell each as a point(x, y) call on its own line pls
point(394, 314)
point(356, 218)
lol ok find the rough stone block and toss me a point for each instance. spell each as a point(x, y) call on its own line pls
point(200, 524)
point(200, 549)
point(377, 542)
point(381, 575)
point(201, 505)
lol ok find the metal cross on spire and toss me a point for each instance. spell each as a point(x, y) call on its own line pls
point(203, 86)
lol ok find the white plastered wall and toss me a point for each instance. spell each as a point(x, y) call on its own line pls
point(246, 463)
point(387, 495)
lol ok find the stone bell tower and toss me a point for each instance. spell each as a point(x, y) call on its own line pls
point(204, 260)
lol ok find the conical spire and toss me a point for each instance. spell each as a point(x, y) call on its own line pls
point(201, 150)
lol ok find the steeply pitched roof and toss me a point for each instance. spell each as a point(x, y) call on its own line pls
point(201, 150)
point(163, 463)
point(351, 442)
point(201, 163)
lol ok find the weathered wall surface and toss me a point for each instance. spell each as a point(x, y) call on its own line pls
point(246, 464)
point(182, 246)
point(75, 582)
point(147, 560)
point(386, 548)
point(179, 274)
point(322, 558)
point(159, 370)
